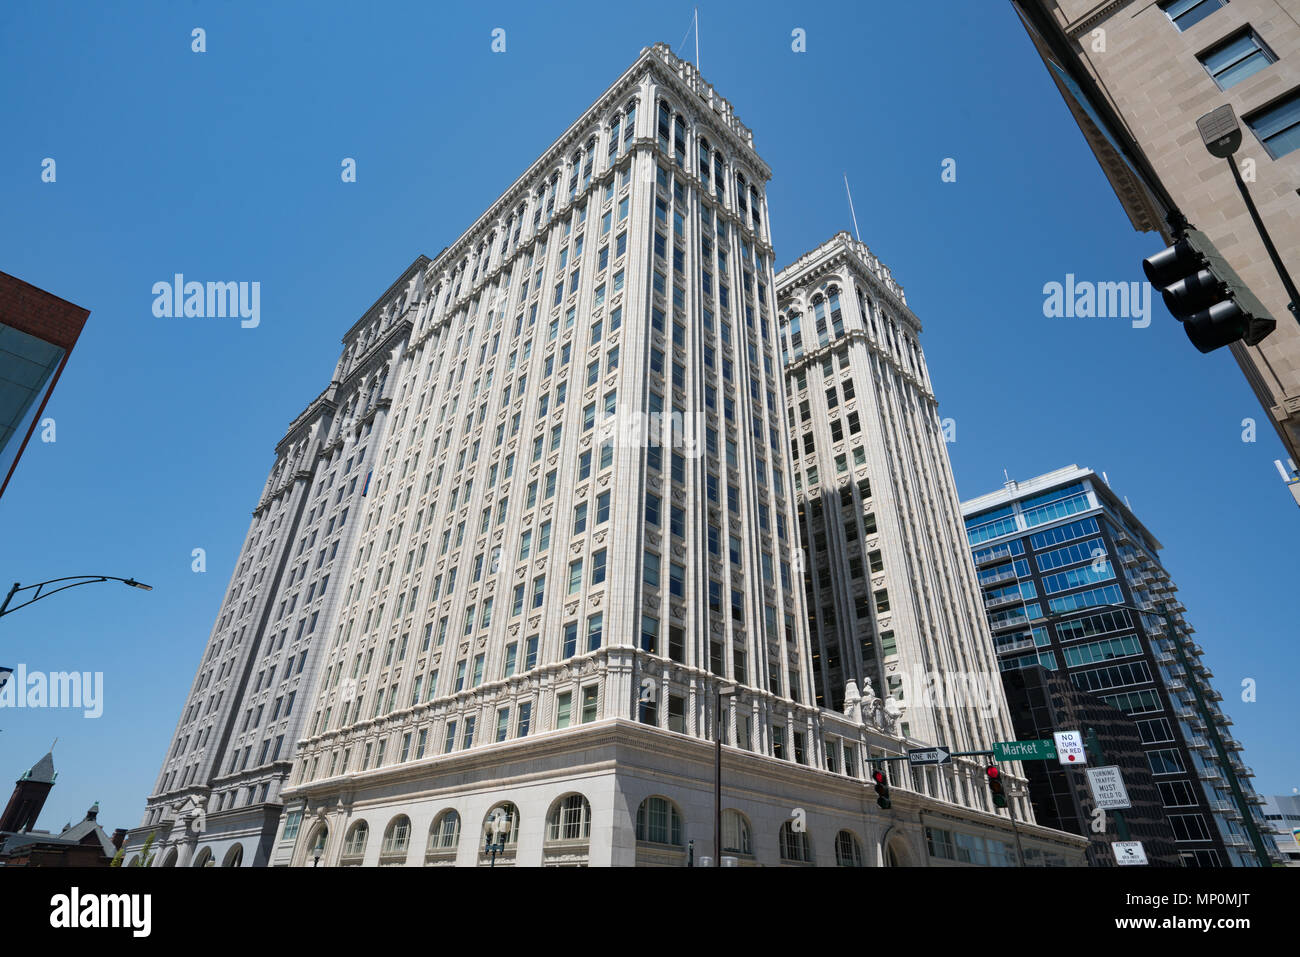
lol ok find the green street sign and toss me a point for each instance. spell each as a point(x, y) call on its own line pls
point(1043, 749)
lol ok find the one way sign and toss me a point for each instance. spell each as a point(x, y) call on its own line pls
point(940, 755)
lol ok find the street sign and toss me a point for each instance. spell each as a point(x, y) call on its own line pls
point(1108, 789)
point(1069, 748)
point(1129, 853)
point(939, 755)
point(1042, 749)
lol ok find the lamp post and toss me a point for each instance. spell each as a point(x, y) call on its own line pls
point(719, 693)
point(1212, 728)
point(495, 833)
point(1221, 134)
point(73, 580)
point(1014, 793)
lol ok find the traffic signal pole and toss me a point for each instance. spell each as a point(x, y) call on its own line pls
point(882, 789)
point(1093, 744)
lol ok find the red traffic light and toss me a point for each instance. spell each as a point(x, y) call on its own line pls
point(878, 777)
point(993, 771)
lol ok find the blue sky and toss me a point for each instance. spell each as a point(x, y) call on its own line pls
point(225, 166)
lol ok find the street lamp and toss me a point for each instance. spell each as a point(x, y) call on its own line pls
point(1221, 134)
point(495, 833)
point(1211, 726)
point(74, 581)
point(720, 693)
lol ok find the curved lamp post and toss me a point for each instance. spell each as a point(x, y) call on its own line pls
point(72, 582)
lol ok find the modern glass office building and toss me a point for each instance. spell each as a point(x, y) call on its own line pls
point(1054, 555)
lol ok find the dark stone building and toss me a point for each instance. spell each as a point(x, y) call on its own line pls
point(1042, 702)
point(84, 844)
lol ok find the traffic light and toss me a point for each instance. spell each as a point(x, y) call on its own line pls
point(882, 788)
point(1203, 292)
point(995, 786)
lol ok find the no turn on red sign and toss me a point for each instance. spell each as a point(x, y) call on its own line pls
point(1069, 748)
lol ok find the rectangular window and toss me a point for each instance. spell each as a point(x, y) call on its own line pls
point(652, 508)
point(1187, 13)
point(525, 719)
point(589, 701)
point(563, 707)
point(1236, 58)
point(650, 634)
point(677, 713)
point(676, 580)
point(651, 575)
point(676, 643)
point(1278, 126)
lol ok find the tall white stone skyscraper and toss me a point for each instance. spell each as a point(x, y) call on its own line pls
point(577, 547)
point(217, 798)
point(891, 591)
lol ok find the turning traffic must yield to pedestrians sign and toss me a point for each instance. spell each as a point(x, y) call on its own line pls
point(939, 755)
point(1108, 791)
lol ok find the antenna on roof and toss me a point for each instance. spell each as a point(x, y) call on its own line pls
point(695, 26)
point(1006, 476)
point(697, 39)
point(851, 212)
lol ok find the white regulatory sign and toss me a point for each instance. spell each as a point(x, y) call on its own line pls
point(1069, 748)
point(1108, 791)
point(1129, 853)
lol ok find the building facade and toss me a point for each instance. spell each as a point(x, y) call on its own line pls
point(1282, 812)
point(595, 526)
point(217, 797)
point(1053, 555)
point(573, 560)
point(891, 593)
point(84, 844)
point(1136, 77)
point(38, 331)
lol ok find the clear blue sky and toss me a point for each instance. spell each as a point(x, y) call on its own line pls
point(225, 166)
